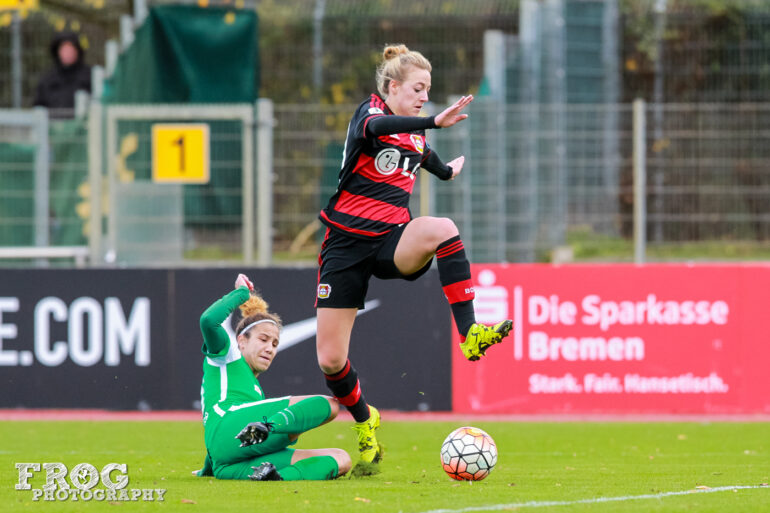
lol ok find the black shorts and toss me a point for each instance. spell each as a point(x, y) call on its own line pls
point(347, 263)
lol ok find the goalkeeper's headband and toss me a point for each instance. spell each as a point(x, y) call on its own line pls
point(247, 328)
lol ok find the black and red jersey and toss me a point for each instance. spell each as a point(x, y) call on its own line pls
point(378, 173)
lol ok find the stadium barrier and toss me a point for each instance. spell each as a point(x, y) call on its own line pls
point(598, 339)
point(79, 254)
point(621, 339)
point(129, 339)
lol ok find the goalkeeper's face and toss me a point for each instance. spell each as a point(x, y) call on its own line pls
point(259, 346)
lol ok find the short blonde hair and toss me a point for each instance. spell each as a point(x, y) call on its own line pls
point(396, 60)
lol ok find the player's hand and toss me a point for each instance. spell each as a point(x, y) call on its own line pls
point(243, 281)
point(457, 166)
point(254, 433)
point(451, 114)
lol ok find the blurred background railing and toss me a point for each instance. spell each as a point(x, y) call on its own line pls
point(549, 144)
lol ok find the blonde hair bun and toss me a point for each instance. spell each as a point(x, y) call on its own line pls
point(393, 51)
point(254, 305)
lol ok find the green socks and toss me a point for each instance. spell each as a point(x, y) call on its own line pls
point(317, 468)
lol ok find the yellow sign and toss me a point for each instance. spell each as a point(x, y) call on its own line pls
point(18, 4)
point(180, 153)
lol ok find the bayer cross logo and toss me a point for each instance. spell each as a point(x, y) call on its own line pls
point(324, 290)
point(386, 161)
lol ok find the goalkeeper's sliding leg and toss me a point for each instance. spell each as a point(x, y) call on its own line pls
point(247, 437)
point(289, 465)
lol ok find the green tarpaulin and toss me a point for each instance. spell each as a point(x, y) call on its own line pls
point(68, 174)
point(185, 54)
point(17, 204)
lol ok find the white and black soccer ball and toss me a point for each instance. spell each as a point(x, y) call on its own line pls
point(468, 454)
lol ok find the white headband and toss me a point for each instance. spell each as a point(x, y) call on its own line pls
point(247, 328)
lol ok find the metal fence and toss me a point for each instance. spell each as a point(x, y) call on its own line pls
point(540, 183)
point(325, 50)
point(102, 188)
point(523, 189)
point(556, 184)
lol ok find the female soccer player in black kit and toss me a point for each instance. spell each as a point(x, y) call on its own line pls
point(370, 230)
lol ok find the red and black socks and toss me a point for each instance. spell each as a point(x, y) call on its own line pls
point(454, 271)
point(345, 386)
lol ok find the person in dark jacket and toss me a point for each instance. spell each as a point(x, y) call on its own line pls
point(56, 89)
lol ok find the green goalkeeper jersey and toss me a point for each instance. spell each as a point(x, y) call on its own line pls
point(228, 381)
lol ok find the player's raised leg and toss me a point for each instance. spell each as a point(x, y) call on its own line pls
point(302, 414)
point(426, 236)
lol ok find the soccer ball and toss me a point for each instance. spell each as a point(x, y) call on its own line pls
point(468, 454)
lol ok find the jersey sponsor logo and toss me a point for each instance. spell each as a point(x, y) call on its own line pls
point(418, 141)
point(324, 290)
point(375, 110)
point(386, 161)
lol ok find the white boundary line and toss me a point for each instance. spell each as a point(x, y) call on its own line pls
point(543, 504)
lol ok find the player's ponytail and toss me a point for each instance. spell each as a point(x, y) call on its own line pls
point(253, 310)
point(396, 61)
point(254, 305)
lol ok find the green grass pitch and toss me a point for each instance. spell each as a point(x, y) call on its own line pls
point(573, 464)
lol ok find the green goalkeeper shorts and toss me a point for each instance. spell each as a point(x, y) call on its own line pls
point(226, 450)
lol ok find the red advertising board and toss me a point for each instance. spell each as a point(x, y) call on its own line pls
point(620, 339)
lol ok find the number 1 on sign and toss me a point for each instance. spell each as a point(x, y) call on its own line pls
point(180, 153)
point(180, 143)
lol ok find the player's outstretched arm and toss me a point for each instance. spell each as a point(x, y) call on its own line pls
point(215, 337)
point(453, 113)
point(392, 124)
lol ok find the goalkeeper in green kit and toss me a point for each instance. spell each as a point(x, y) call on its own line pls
point(248, 435)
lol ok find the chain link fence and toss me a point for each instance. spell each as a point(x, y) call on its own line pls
point(549, 141)
point(325, 50)
point(546, 194)
point(139, 185)
point(531, 193)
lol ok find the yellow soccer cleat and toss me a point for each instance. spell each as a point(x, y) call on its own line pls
point(368, 447)
point(480, 337)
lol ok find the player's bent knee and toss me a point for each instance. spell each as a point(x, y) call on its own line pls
point(446, 229)
point(334, 404)
point(331, 364)
point(436, 230)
